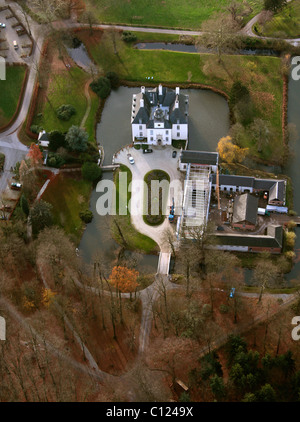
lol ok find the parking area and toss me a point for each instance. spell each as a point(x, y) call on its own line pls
point(13, 31)
point(9, 199)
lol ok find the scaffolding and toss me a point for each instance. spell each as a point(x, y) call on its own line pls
point(196, 199)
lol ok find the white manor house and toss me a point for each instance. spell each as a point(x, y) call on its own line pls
point(159, 115)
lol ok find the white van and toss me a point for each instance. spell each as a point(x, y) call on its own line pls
point(15, 45)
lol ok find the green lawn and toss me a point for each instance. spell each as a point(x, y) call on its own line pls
point(261, 74)
point(10, 90)
point(68, 196)
point(161, 13)
point(134, 240)
point(67, 88)
point(284, 24)
point(155, 220)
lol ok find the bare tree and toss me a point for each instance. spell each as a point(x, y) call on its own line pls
point(89, 17)
point(220, 35)
point(265, 274)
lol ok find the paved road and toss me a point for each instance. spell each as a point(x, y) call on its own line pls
point(161, 158)
point(247, 30)
point(10, 145)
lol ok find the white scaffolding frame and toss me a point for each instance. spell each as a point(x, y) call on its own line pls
point(197, 192)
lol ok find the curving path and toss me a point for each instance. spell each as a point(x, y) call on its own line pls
point(89, 102)
point(247, 30)
point(10, 144)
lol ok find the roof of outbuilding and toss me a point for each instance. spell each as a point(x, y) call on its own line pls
point(277, 191)
point(232, 180)
point(268, 241)
point(199, 157)
point(245, 208)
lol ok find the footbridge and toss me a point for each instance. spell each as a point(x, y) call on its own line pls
point(110, 167)
point(164, 263)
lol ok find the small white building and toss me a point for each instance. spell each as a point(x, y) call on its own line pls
point(43, 139)
point(159, 115)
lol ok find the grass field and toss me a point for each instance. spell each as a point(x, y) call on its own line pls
point(134, 240)
point(150, 199)
point(261, 74)
point(10, 90)
point(68, 196)
point(284, 24)
point(65, 86)
point(162, 13)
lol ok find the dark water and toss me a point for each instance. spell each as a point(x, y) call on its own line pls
point(80, 56)
point(183, 48)
point(97, 242)
point(293, 170)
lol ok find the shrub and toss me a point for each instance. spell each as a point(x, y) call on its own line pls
point(292, 213)
point(113, 79)
point(65, 112)
point(206, 309)
point(86, 216)
point(238, 93)
point(41, 216)
point(76, 42)
point(224, 309)
point(56, 140)
point(291, 225)
point(290, 255)
point(24, 205)
point(35, 129)
point(91, 171)
point(55, 160)
point(101, 87)
point(184, 397)
point(128, 36)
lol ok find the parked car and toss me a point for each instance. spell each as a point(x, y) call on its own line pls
point(231, 294)
point(2, 25)
point(16, 186)
point(174, 154)
point(130, 159)
point(147, 151)
point(220, 229)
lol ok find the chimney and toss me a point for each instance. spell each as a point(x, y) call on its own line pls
point(141, 102)
point(143, 90)
point(159, 89)
point(177, 90)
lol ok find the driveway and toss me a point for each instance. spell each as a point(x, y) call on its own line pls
point(161, 158)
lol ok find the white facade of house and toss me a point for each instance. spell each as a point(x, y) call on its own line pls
point(233, 188)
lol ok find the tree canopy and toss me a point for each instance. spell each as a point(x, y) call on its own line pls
point(124, 279)
point(77, 139)
point(230, 152)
